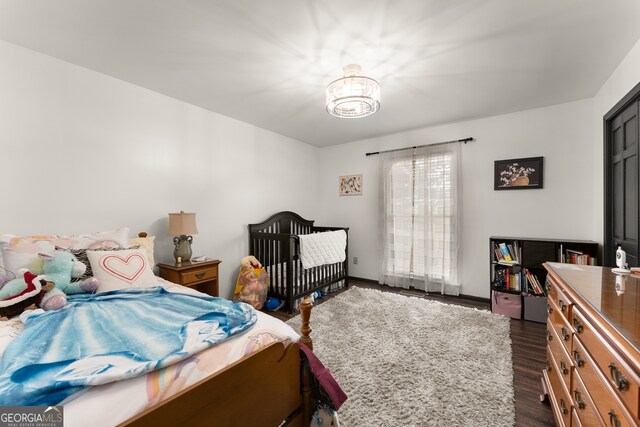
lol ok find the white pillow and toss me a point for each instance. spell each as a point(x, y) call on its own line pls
point(22, 251)
point(145, 243)
point(103, 239)
point(121, 269)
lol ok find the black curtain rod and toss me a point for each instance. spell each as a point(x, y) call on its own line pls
point(465, 140)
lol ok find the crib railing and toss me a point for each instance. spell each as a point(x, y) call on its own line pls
point(279, 254)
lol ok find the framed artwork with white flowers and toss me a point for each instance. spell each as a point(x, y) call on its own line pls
point(518, 174)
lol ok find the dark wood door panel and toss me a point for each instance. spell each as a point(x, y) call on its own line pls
point(622, 186)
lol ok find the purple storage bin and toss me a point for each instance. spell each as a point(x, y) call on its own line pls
point(507, 304)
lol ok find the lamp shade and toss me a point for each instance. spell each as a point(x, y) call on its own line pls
point(182, 224)
point(353, 95)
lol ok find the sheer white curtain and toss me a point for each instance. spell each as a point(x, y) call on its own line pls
point(421, 218)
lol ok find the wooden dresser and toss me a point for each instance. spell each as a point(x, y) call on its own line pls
point(593, 346)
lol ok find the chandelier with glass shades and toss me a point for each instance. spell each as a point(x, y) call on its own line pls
point(353, 95)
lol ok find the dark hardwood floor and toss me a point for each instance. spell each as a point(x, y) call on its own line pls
point(528, 351)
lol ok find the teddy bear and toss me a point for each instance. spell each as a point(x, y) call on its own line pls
point(25, 292)
point(252, 284)
point(61, 266)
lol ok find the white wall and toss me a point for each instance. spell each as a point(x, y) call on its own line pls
point(82, 151)
point(562, 209)
point(622, 80)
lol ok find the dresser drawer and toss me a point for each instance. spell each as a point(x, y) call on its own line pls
point(199, 275)
point(620, 377)
point(559, 298)
point(560, 325)
point(563, 363)
point(608, 405)
point(560, 401)
point(575, 420)
point(584, 408)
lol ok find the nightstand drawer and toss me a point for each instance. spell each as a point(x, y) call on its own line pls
point(202, 276)
point(198, 275)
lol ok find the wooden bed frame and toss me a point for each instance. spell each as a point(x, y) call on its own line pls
point(274, 242)
point(265, 389)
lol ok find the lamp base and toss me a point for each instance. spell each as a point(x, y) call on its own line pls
point(182, 251)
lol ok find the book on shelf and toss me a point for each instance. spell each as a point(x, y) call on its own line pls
point(534, 283)
point(514, 251)
point(572, 256)
point(500, 279)
point(505, 252)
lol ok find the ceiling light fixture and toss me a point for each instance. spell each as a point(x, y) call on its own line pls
point(353, 95)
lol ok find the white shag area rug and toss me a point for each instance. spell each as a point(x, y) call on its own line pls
point(412, 362)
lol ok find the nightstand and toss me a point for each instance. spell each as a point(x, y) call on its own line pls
point(200, 275)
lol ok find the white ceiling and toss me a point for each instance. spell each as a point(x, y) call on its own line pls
point(267, 62)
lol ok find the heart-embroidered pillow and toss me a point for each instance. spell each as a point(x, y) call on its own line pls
point(121, 269)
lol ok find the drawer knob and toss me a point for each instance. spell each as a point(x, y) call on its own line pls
point(563, 407)
point(563, 368)
point(549, 336)
point(548, 366)
point(578, 325)
point(620, 381)
point(200, 275)
point(578, 398)
point(565, 334)
point(579, 360)
point(549, 309)
point(547, 286)
point(613, 419)
point(562, 305)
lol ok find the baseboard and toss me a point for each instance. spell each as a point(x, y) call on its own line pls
point(475, 298)
point(461, 296)
point(360, 279)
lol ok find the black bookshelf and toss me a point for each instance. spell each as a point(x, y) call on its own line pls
point(530, 254)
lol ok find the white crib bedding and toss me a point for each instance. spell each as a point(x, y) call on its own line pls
point(110, 404)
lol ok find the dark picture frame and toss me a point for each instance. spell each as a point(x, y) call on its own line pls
point(518, 174)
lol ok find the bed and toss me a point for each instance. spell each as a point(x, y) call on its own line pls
point(275, 243)
point(254, 378)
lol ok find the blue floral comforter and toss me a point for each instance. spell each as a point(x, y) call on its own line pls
point(106, 337)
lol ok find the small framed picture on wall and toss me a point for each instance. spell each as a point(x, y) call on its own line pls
point(350, 185)
point(518, 174)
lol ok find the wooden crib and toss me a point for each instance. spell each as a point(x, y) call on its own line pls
point(276, 245)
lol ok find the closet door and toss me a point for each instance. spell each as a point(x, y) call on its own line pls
point(621, 184)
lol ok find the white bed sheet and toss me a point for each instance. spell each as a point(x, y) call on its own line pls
point(110, 404)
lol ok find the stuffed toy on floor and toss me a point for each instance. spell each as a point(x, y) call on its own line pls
point(252, 284)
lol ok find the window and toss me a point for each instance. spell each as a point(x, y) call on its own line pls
point(421, 219)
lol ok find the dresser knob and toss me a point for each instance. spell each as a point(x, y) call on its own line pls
point(578, 325)
point(549, 336)
point(563, 407)
point(565, 334)
point(613, 419)
point(579, 360)
point(562, 305)
point(549, 309)
point(563, 368)
point(578, 398)
point(199, 275)
point(548, 366)
point(620, 381)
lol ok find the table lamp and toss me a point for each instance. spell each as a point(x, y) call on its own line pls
point(182, 225)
